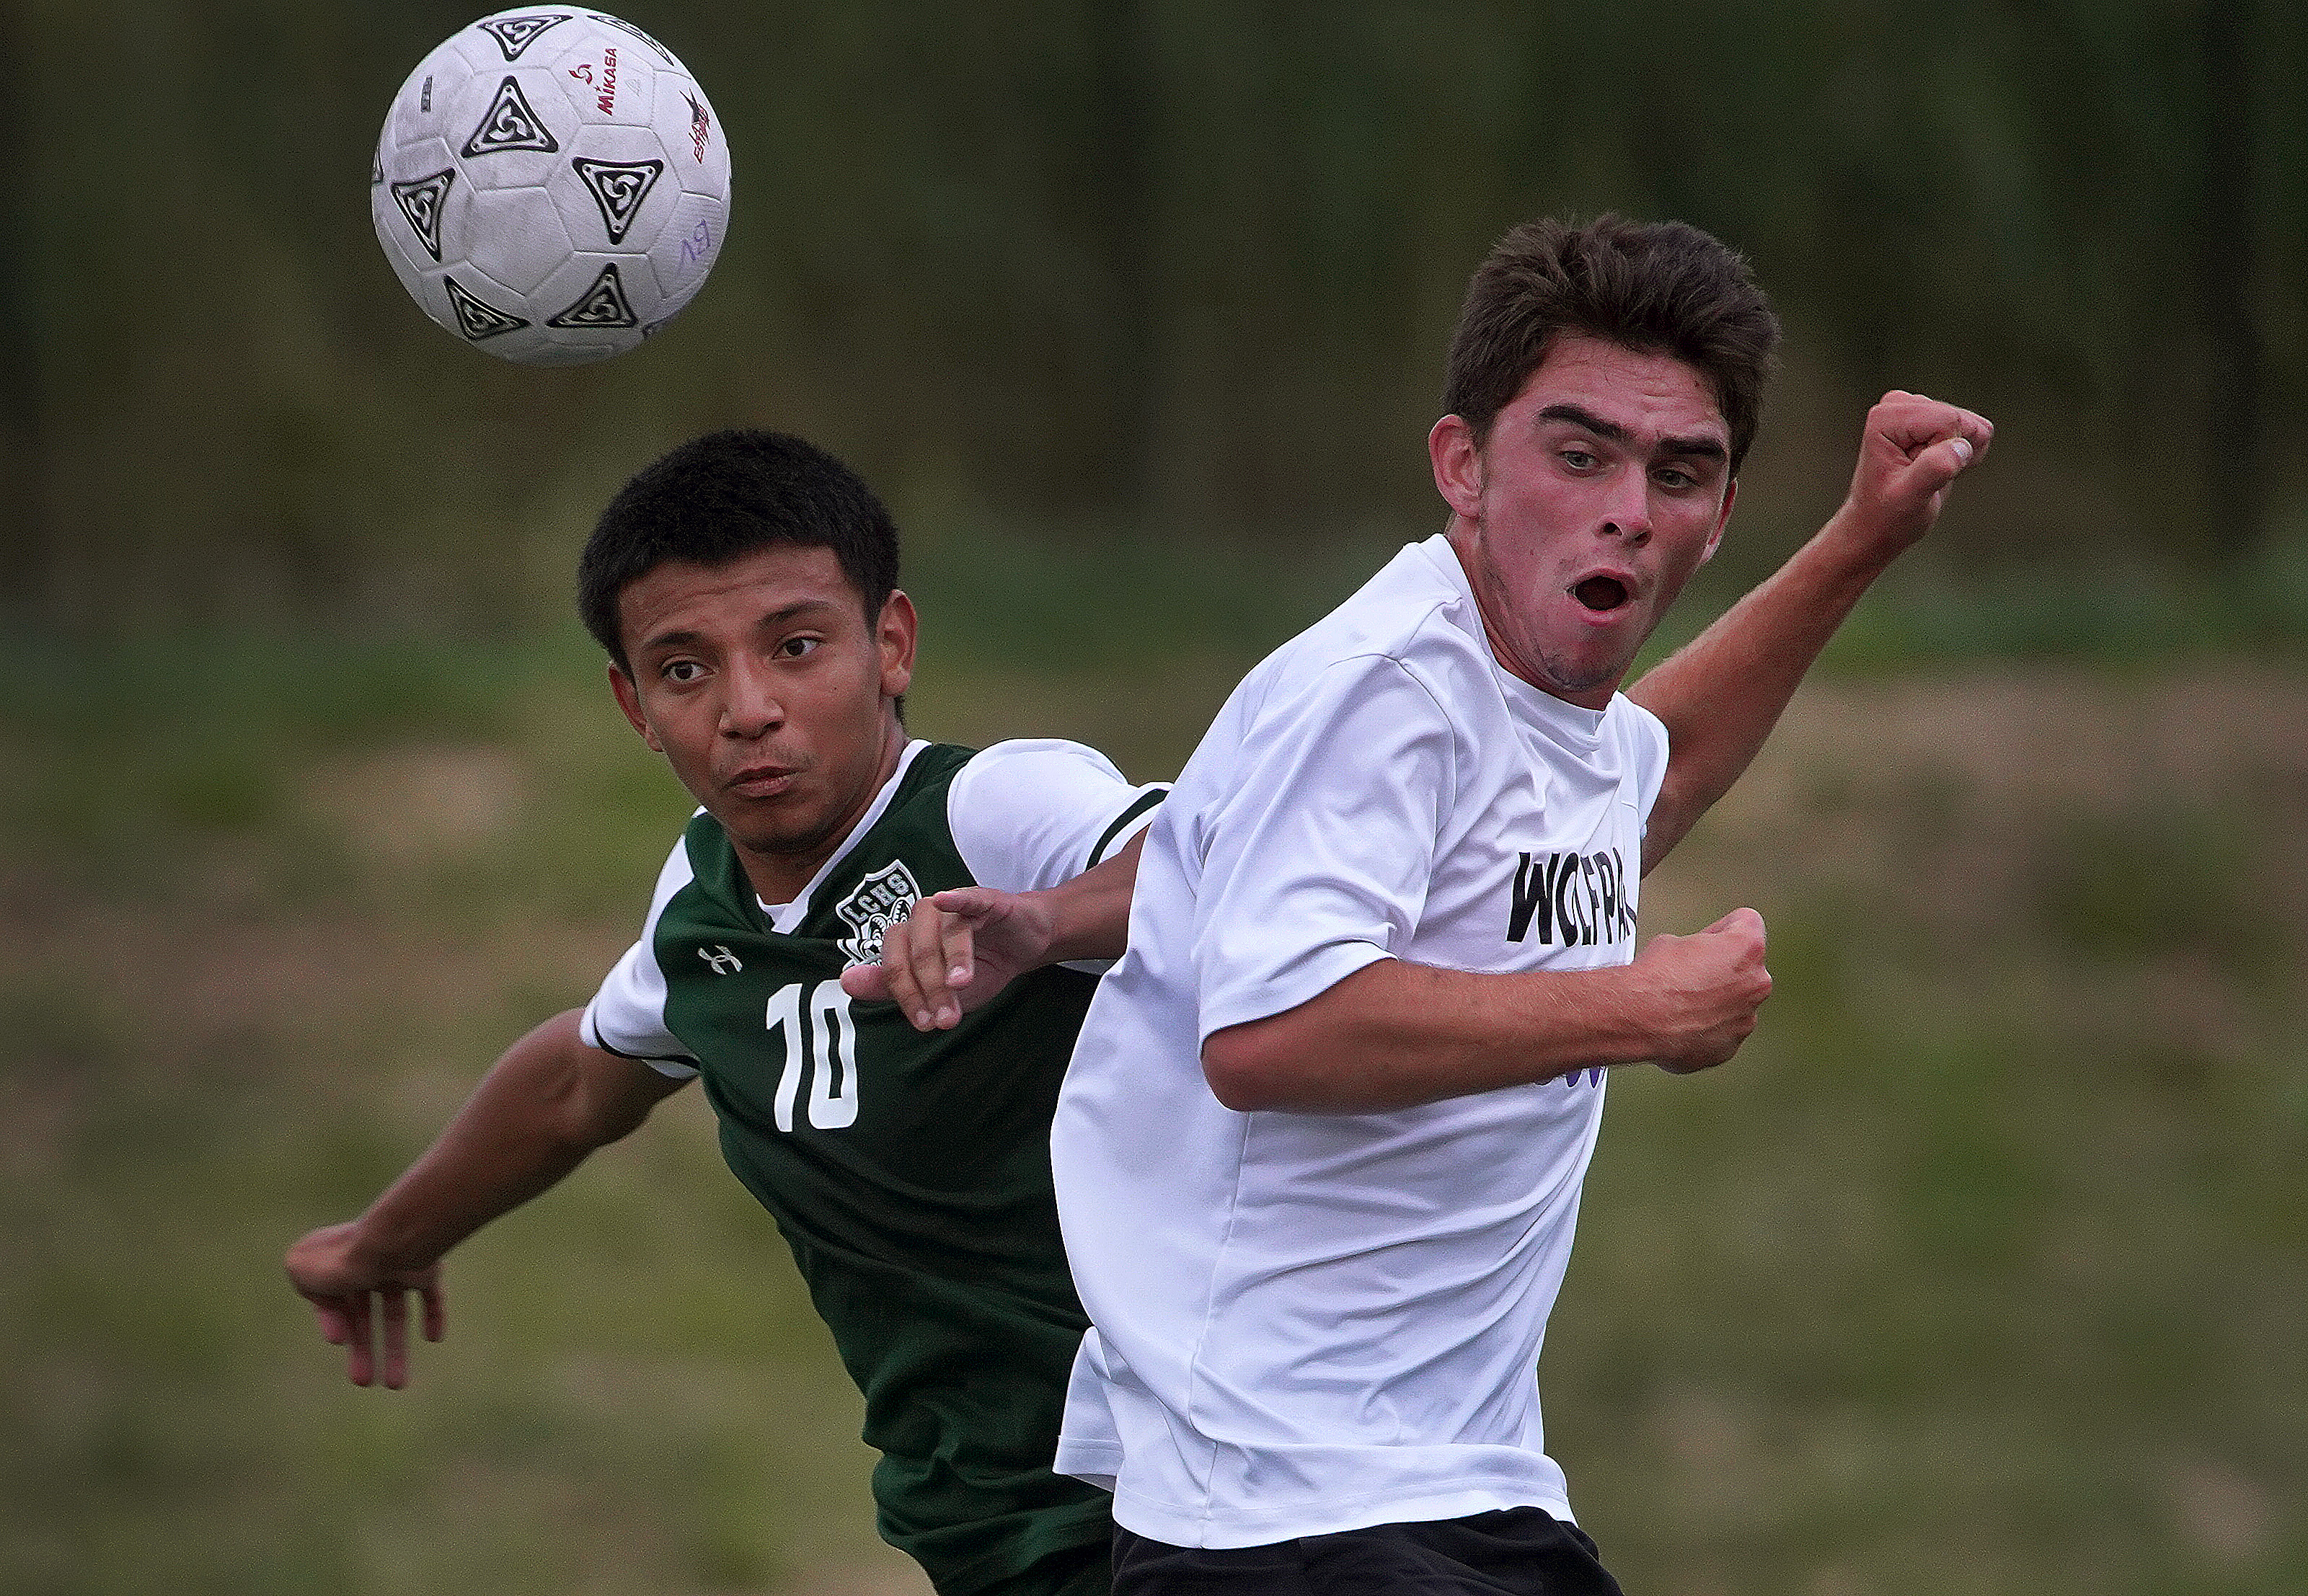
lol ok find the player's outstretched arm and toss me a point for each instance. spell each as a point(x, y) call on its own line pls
point(549, 1101)
point(956, 950)
point(1721, 695)
point(1394, 1035)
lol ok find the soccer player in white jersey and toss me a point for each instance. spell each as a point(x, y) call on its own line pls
point(745, 589)
point(1319, 1153)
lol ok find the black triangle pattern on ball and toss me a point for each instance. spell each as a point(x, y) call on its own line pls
point(515, 34)
point(510, 124)
point(618, 188)
point(477, 318)
point(420, 200)
point(620, 22)
point(604, 304)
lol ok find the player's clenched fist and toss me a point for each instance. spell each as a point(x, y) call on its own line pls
point(1706, 989)
point(1912, 449)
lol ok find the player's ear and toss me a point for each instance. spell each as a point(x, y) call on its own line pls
point(1457, 460)
point(628, 699)
point(1722, 519)
point(894, 634)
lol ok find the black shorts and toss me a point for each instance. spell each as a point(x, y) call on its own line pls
point(1519, 1551)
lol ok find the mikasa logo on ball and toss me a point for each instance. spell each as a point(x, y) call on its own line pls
point(606, 99)
point(882, 900)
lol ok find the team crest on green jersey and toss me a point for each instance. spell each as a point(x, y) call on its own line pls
point(882, 900)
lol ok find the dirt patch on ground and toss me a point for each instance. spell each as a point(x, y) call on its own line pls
point(2015, 741)
point(1885, 787)
point(407, 804)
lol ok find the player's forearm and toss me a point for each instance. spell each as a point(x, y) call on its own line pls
point(1720, 695)
point(535, 1116)
point(1090, 916)
point(1394, 1035)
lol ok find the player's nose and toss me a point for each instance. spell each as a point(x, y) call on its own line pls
point(1626, 510)
point(750, 703)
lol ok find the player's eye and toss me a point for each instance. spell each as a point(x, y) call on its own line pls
point(682, 671)
point(796, 648)
point(1676, 478)
point(1579, 460)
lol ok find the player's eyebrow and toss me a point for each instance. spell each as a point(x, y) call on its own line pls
point(689, 638)
point(681, 638)
point(1702, 447)
point(795, 611)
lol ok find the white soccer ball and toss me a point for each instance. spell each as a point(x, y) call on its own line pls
point(551, 185)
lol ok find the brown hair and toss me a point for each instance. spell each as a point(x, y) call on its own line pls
point(1663, 287)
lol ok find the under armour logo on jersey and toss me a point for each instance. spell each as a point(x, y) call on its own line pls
point(723, 961)
point(882, 900)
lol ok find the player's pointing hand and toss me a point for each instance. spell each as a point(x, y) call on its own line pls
point(954, 953)
point(1912, 449)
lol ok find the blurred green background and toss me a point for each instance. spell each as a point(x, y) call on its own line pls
point(1984, 1269)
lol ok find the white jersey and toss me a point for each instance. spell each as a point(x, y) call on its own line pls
point(1025, 815)
point(1310, 1323)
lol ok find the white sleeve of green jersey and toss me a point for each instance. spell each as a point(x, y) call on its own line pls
point(1034, 812)
point(1028, 815)
point(627, 1015)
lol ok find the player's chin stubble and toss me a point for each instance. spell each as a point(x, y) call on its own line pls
point(1558, 671)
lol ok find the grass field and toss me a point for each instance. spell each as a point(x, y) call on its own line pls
point(1985, 1268)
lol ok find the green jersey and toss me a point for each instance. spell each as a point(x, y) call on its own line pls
point(909, 1172)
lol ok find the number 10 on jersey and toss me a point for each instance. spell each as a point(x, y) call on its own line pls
point(821, 1009)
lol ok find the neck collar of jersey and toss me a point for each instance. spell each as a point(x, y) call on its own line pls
point(783, 917)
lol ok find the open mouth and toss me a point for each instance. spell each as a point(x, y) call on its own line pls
point(1601, 594)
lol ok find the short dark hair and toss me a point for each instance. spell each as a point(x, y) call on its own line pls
point(720, 497)
point(1662, 288)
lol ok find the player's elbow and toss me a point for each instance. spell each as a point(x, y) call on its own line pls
point(1251, 1068)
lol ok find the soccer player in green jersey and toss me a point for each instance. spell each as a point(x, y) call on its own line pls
point(744, 588)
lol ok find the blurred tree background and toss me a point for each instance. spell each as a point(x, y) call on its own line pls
point(1142, 268)
point(1985, 1269)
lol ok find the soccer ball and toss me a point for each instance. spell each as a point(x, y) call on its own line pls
point(551, 186)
